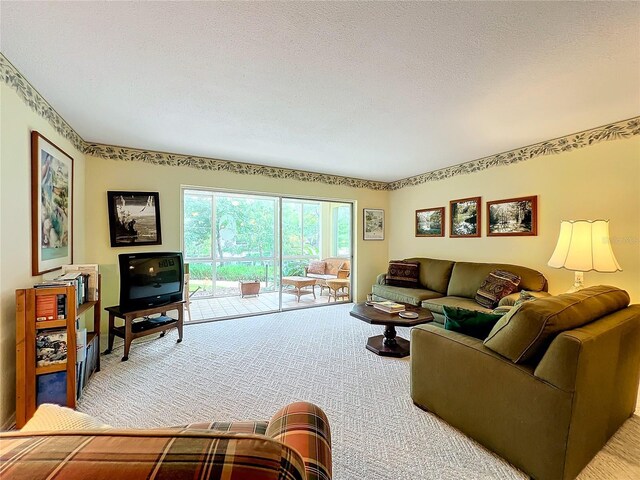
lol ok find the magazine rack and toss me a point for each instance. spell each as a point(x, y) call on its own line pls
point(27, 329)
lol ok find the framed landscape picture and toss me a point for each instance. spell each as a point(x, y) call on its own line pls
point(373, 219)
point(513, 217)
point(430, 222)
point(51, 206)
point(134, 218)
point(464, 217)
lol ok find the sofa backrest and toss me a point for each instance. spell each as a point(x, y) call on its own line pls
point(146, 453)
point(434, 273)
point(467, 277)
point(336, 263)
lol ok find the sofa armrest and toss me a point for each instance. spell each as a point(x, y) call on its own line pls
point(343, 273)
point(510, 300)
point(305, 428)
point(381, 279)
point(598, 349)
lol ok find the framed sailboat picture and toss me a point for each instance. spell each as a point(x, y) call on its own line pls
point(134, 218)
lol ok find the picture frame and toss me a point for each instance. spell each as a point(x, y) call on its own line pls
point(373, 224)
point(513, 217)
point(51, 206)
point(134, 218)
point(430, 222)
point(465, 218)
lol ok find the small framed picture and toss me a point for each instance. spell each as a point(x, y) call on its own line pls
point(465, 217)
point(51, 206)
point(373, 219)
point(430, 222)
point(134, 218)
point(513, 217)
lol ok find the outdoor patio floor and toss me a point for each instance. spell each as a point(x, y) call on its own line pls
point(203, 309)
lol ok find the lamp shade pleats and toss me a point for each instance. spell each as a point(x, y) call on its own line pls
point(584, 245)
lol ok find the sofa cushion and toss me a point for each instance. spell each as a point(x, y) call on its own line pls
point(510, 300)
point(434, 273)
point(402, 274)
point(436, 304)
point(527, 329)
point(470, 322)
point(498, 284)
point(412, 296)
point(321, 277)
point(467, 277)
point(317, 267)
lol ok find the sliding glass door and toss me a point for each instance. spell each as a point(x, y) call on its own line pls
point(237, 243)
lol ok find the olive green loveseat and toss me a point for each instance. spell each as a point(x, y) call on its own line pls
point(550, 385)
point(445, 282)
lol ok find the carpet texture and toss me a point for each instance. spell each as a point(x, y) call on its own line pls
point(248, 368)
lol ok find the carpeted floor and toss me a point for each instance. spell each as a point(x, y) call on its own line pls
point(246, 369)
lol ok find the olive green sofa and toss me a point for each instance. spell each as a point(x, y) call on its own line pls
point(549, 409)
point(445, 282)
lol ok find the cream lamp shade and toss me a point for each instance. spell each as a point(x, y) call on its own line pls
point(583, 246)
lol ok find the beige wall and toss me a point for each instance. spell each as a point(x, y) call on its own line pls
point(16, 122)
point(103, 175)
point(600, 181)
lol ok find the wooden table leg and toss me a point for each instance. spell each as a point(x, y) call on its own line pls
point(112, 334)
point(180, 322)
point(127, 336)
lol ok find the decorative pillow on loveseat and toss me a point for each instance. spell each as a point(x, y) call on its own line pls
point(531, 326)
point(317, 267)
point(403, 274)
point(470, 322)
point(498, 284)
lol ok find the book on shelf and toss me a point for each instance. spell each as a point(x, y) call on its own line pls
point(90, 271)
point(51, 347)
point(46, 307)
point(389, 307)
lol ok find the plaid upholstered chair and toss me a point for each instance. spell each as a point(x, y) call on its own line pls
point(294, 445)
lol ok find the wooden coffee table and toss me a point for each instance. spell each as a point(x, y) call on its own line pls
point(299, 285)
point(389, 344)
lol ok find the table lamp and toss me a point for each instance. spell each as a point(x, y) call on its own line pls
point(584, 245)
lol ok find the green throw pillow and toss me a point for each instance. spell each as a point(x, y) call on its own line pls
point(469, 322)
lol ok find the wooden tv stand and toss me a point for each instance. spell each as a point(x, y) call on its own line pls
point(132, 330)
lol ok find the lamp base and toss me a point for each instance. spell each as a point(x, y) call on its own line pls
point(578, 282)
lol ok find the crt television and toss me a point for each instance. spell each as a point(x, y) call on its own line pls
point(150, 279)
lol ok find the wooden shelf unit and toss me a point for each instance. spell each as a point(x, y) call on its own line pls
point(27, 328)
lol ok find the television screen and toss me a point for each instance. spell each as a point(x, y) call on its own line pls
point(150, 279)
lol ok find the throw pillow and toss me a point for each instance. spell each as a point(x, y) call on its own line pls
point(502, 310)
point(524, 297)
point(403, 274)
point(469, 322)
point(498, 284)
point(54, 417)
point(317, 267)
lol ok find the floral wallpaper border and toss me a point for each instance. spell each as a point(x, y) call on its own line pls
point(32, 98)
point(613, 131)
point(14, 79)
point(176, 160)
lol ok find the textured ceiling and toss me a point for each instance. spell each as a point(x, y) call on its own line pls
point(371, 90)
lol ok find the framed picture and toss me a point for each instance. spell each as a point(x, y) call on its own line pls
point(430, 222)
point(51, 206)
point(513, 217)
point(134, 218)
point(373, 224)
point(465, 217)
